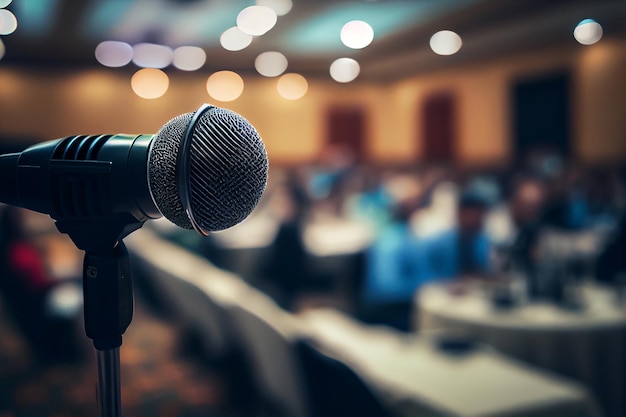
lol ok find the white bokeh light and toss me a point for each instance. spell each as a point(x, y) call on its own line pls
point(271, 63)
point(8, 22)
point(4, 3)
point(225, 85)
point(344, 70)
point(445, 42)
point(280, 7)
point(65, 299)
point(150, 83)
point(357, 34)
point(114, 53)
point(588, 32)
point(256, 20)
point(189, 58)
point(233, 39)
point(152, 55)
point(292, 86)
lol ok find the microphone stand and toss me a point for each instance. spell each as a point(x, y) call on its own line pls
point(108, 296)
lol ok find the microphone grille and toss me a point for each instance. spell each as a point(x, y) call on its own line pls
point(207, 171)
point(162, 170)
point(227, 169)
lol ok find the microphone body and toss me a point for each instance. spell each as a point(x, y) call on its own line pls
point(81, 177)
point(204, 170)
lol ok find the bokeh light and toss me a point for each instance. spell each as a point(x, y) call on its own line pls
point(280, 7)
point(114, 53)
point(8, 22)
point(233, 39)
point(256, 20)
point(150, 83)
point(4, 3)
point(357, 34)
point(225, 85)
point(64, 299)
point(271, 63)
point(151, 55)
point(189, 58)
point(2, 49)
point(445, 42)
point(344, 70)
point(588, 32)
point(292, 86)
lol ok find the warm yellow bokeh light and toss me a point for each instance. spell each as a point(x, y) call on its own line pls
point(150, 83)
point(225, 85)
point(292, 86)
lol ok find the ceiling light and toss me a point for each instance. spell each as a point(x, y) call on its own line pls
point(113, 53)
point(256, 20)
point(270, 64)
point(189, 58)
point(445, 42)
point(151, 55)
point(357, 34)
point(150, 83)
point(8, 22)
point(225, 85)
point(234, 39)
point(292, 86)
point(588, 32)
point(280, 7)
point(344, 70)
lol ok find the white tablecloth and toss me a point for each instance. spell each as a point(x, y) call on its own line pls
point(587, 345)
point(413, 377)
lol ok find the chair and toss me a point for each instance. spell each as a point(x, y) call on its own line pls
point(188, 287)
point(266, 335)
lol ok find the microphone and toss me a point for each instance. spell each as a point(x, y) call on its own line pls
point(204, 170)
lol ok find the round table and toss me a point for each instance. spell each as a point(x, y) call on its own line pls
point(587, 344)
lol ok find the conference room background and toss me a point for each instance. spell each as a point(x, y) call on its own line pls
point(371, 164)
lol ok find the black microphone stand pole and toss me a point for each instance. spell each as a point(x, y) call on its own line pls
point(108, 296)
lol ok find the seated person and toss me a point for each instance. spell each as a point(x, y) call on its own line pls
point(462, 250)
point(392, 273)
point(611, 262)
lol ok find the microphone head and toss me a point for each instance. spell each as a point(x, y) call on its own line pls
point(207, 170)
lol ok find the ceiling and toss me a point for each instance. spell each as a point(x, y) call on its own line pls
point(64, 33)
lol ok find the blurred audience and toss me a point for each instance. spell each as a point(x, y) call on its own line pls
point(44, 307)
point(436, 223)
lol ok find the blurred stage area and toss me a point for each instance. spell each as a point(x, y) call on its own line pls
point(443, 231)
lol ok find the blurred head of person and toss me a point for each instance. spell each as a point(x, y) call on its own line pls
point(527, 202)
point(471, 212)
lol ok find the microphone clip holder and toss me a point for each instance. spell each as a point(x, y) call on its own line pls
point(107, 293)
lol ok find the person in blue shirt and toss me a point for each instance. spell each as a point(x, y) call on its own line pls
point(463, 250)
point(392, 272)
